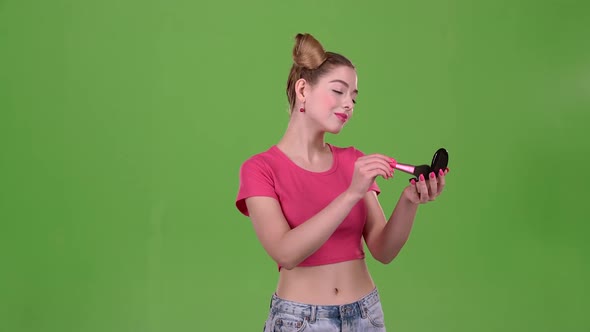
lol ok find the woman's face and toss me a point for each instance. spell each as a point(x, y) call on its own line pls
point(330, 102)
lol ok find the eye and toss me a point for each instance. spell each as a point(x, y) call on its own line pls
point(340, 92)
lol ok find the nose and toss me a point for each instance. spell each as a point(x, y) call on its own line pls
point(349, 104)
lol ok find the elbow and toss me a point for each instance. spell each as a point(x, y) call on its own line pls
point(286, 262)
point(383, 259)
point(386, 258)
point(284, 256)
point(286, 265)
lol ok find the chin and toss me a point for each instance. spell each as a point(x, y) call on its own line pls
point(334, 131)
point(332, 127)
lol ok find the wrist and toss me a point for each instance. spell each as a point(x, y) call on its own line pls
point(407, 202)
point(351, 197)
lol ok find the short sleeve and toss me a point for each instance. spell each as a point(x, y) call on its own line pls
point(255, 179)
point(374, 186)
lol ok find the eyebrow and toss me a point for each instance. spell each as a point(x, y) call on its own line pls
point(341, 81)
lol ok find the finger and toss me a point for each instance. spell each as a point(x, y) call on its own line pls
point(422, 189)
point(375, 169)
point(382, 156)
point(386, 169)
point(379, 172)
point(441, 181)
point(433, 186)
point(374, 157)
point(414, 195)
point(381, 163)
point(389, 166)
point(378, 163)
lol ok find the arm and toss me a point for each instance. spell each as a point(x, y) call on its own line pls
point(386, 239)
point(289, 247)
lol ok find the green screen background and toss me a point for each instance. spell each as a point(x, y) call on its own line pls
point(123, 125)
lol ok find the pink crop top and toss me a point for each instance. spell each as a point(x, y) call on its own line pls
point(302, 194)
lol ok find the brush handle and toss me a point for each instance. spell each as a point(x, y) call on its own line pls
point(405, 168)
point(414, 170)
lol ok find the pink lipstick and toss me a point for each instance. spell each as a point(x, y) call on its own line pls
point(342, 116)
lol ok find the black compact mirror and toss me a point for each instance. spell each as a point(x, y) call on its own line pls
point(440, 160)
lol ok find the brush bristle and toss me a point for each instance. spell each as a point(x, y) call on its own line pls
point(422, 170)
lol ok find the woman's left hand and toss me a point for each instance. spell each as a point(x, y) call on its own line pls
point(425, 190)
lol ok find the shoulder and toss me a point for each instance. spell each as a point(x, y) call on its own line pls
point(348, 152)
point(260, 162)
point(259, 158)
point(256, 178)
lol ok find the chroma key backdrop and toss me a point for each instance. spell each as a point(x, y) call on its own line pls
point(123, 125)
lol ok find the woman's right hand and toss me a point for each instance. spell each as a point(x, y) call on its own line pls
point(367, 168)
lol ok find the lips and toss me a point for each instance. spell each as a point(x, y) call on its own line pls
point(342, 116)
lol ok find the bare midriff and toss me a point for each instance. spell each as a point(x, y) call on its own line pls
point(332, 284)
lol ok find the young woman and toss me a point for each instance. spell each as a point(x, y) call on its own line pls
point(312, 204)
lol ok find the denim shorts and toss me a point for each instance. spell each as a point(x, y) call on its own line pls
point(365, 314)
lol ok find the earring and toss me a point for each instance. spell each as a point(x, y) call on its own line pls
point(302, 110)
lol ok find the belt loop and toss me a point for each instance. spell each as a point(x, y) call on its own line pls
point(313, 314)
point(363, 307)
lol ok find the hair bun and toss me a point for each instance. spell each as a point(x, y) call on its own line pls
point(308, 52)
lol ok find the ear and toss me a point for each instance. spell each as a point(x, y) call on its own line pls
point(301, 88)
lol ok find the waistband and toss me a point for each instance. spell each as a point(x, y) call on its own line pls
point(311, 312)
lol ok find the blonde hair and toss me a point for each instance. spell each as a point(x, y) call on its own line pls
point(310, 62)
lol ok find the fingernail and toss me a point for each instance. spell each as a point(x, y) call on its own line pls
point(440, 172)
point(421, 177)
point(432, 176)
point(413, 182)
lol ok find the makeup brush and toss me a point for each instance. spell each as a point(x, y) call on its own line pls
point(414, 170)
point(440, 160)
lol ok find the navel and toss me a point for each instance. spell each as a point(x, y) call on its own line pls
point(335, 290)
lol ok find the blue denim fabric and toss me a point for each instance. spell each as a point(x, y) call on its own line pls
point(365, 314)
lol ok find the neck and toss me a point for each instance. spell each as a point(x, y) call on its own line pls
point(301, 139)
